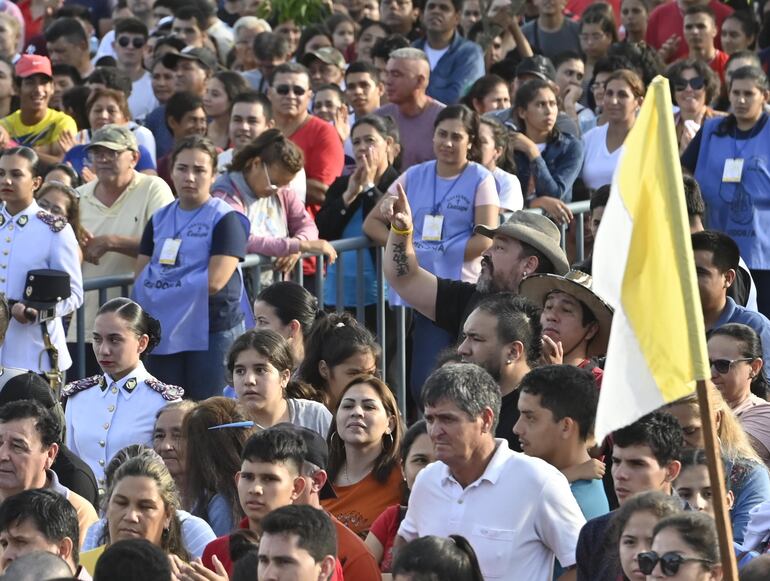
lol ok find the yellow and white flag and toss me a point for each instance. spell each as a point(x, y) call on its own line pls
point(643, 266)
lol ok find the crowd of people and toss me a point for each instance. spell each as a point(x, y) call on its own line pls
point(229, 427)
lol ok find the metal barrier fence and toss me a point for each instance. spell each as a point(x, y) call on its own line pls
point(254, 267)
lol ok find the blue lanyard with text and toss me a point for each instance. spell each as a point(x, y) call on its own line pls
point(451, 186)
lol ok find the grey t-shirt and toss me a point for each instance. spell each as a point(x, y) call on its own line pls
point(552, 44)
point(416, 132)
point(309, 414)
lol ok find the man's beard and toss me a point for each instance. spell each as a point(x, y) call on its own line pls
point(486, 283)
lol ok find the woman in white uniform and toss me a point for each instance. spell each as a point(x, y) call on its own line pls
point(107, 412)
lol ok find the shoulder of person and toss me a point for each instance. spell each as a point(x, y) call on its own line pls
point(54, 223)
point(169, 392)
point(81, 385)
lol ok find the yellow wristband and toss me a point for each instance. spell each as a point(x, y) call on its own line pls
point(400, 232)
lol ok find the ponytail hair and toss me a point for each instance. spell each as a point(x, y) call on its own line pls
point(434, 558)
point(292, 302)
point(138, 320)
point(333, 339)
point(270, 147)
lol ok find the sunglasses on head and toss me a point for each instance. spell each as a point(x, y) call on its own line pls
point(296, 89)
point(723, 365)
point(137, 41)
point(669, 562)
point(696, 84)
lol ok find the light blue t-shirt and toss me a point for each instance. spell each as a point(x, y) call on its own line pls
point(590, 497)
point(354, 228)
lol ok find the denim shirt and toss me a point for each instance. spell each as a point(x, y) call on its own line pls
point(455, 71)
point(555, 170)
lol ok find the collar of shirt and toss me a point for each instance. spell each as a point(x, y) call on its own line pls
point(727, 313)
point(22, 218)
point(55, 485)
point(138, 375)
point(87, 192)
point(491, 472)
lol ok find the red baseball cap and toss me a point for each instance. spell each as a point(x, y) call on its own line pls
point(33, 64)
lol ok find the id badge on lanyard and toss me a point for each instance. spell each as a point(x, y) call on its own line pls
point(733, 170)
point(432, 227)
point(170, 251)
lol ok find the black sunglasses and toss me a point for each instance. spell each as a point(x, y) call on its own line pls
point(296, 89)
point(696, 84)
point(669, 562)
point(723, 365)
point(137, 41)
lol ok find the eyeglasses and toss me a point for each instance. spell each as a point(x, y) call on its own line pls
point(104, 154)
point(669, 562)
point(137, 41)
point(296, 89)
point(722, 366)
point(270, 186)
point(696, 84)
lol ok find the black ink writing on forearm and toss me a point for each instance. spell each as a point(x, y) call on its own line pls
point(400, 259)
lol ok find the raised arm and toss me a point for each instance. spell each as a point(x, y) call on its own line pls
point(415, 285)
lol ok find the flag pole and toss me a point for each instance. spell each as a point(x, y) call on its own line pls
point(718, 489)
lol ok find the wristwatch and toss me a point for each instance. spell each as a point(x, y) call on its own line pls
point(368, 187)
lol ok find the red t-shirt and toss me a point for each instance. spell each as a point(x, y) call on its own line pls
point(668, 20)
point(577, 7)
point(385, 528)
point(719, 63)
point(221, 548)
point(324, 156)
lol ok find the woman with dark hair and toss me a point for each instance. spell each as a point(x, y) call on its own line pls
point(693, 87)
point(59, 199)
point(348, 202)
point(63, 173)
point(104, 107)
point(221, 89)
point(449, 197)
point(488, 93)
point(260, 365)
point(623, 96)
point(187, 274)
point(739, 32)
point(339, 348)
point(212, 457)
point(728, 158)
point(598, 32)
point(630, 531)
point(369, 32)
point(416, 453)
point(684, 546)
point(313, 37)
point(496, 157)
point(255, 185)
point(99, 422)
point(547, 160)
point(141, 485)
point(364, 446)
point(737, 370)
point(290, 310)
point(343, 30)
point(437, 558)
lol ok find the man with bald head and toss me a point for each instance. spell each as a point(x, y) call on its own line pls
point(406, 82)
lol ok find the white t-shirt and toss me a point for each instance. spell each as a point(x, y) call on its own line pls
point(434, 55)
point(598, 163)
point(142, 99)
point(517, 516)
point(509, 190)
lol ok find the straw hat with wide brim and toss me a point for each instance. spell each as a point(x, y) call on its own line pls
point(535, 230)
point(577, 284)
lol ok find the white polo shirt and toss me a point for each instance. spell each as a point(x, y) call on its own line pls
point(517, 516)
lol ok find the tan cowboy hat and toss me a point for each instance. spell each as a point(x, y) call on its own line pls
point(533, 229)
point(577, 284)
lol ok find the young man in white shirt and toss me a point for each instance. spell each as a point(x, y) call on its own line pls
point(130, 45)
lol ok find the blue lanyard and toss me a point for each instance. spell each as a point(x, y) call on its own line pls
point(195, 214)
point(452, 185)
